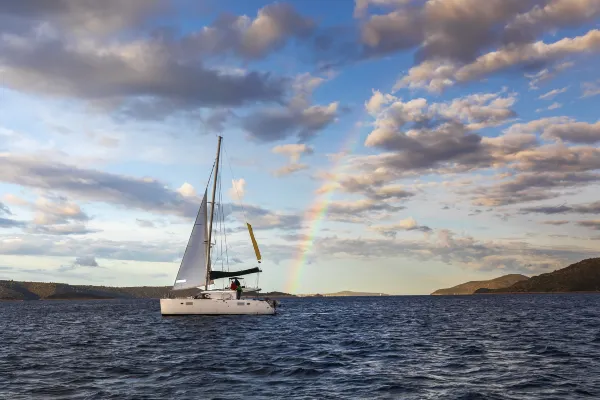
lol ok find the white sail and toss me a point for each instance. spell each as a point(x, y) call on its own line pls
point(192, 271)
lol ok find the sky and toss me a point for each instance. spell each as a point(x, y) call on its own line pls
point(395, 146)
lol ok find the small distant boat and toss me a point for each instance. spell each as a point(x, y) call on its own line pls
point(195, 270)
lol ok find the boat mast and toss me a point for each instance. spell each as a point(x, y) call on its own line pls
point(212, 212)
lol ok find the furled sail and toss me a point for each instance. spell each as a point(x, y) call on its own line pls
point(192, 270)
point(256, 250)
point(223, 274)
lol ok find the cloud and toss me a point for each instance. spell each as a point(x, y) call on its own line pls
point(557, 223)
point(590, 89)
point(357, 211)
point(86, 261)
point(83, 16)
point(456, 29)
point(436, 75)
point(590, 224)
point(10, 223)
point(138, 78)
point(187, 190)
point(4, 209)
point(144, 223)
point(592, 208)
point(418, 135)
point(251, 39)
point(550, 16)
point(163, 251)
point(297, 118)
point(53, 215)
point(271, 125)
point(464, 251)
point(361, 6)
point(547, 74)
point(553, 93)
point(371, 185)
point(291, 169)
point(263, 219)
point(238, 189)
point(409, 224)
point(575, 132)
point(294, 151)
point(93, 185)
point(561, 128)
point(528, 187)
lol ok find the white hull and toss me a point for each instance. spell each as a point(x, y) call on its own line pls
point(215, 307)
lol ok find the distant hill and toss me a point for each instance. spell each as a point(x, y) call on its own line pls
point(15, 290)
point(583, 276)
point(345, 293)
point(472, 286)
point(272, 294)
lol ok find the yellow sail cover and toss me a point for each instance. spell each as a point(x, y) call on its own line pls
point(256, 250)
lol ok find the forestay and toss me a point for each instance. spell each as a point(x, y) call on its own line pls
point(192, 271)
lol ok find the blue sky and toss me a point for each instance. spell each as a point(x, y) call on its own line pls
point(474, 126)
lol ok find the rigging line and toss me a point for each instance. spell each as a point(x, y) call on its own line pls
point(224, 231)
point(219, 217)
point(224, 237)
point(235, 187)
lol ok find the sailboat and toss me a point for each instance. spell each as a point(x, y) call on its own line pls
point(195, 270)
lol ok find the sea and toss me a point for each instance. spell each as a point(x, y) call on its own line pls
point(406, 347)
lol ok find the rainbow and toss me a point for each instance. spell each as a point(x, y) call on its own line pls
point(315, 214)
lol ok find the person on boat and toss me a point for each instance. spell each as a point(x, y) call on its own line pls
point(238, 289)
point(233, 285)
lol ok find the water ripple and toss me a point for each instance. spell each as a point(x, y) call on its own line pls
point(480, 347)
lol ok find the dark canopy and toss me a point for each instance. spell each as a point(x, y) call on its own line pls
point(223, 274)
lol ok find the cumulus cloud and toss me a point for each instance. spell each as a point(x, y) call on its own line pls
point(53, 215)
point(294, 152)
point(55, 50)
point(561, 128)
point(132, 77)
point(437, 75)
point(455, 38)
point(298, 118)
point(527, 187)
point(251, 39)
point(238, 189)
point(186, 190)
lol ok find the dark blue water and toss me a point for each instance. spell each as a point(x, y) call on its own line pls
point(480, 347)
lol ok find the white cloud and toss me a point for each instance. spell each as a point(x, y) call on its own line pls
point(435, 76)
point(553, 93)
point(187, 190)
point(238, 189)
